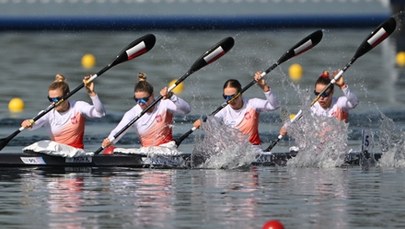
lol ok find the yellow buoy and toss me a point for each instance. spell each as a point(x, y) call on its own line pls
point(178, 89)
point(88, 61)
point(16, 105)
point(295, 72)
point(292, 116)
point(400, 59)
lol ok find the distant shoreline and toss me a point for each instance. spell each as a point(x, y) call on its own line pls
point(188, 22)
point(78, 15)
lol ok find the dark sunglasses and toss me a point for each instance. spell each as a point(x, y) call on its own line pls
point(142, 100)
point(324, 94)
point(228, 97)
point(54, 99)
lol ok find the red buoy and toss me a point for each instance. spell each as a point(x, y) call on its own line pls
point(273, 224)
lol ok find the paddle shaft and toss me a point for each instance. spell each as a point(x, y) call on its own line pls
point(302, 46)
point(132, 122)
point(271, 146)
point(208, 57)
point(133, 50)
point(375, 38)
point(336, 78)
point(68, 95)
point(5, 141)
point(333, 81)
point(253, 82)
point(279, 137)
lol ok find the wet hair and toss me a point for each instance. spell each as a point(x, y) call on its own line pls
point(59, 83)
point(324, 79)
point(234, 84)
point(143, 85)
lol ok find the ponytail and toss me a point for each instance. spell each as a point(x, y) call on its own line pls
point(324, 79)
point(59, 83)
point(143, 85)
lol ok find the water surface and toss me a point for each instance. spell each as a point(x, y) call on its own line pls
point(307, 197)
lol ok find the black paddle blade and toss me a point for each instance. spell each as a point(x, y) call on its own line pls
point(302, 46)
point(138, 47)
point(213, 54)
point(376, 37)
point(5, 141)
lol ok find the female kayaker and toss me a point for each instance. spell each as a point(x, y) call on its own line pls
point(155, 126)
point(328, 105)
point(243, 113)
point(66, 121)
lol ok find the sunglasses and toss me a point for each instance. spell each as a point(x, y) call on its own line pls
point(324, 94)
point(54, 99)
point(228, 97)
point(143, 100)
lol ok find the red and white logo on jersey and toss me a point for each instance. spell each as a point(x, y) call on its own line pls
point(159, 118)
point(74, 119)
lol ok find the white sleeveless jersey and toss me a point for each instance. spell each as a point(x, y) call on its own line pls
point(68, 127)
point(154, 128)
point(339, 107)
point(246, 119)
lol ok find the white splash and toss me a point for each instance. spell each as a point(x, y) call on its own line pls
point(391, 143)
point(322, 141)
point(222, 147)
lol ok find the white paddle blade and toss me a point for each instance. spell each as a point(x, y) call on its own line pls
point(376, 37)
point(213, 54)
point(137, 48)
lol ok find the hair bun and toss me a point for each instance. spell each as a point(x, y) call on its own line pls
point(59, 78)
point(325, 74)
point(141, 76)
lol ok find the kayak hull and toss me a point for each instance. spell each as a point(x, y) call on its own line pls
point(31, 159)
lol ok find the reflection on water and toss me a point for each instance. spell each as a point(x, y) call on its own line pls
point(243, 198)
point(326, 190)
point(64, 201)
point(153, 203)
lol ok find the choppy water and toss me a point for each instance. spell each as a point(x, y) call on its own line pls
point(306, 196)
